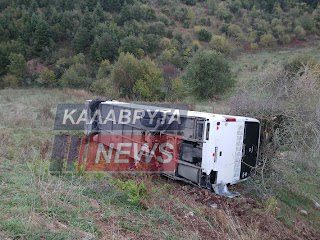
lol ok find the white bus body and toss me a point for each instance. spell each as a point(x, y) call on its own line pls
point(217, 150)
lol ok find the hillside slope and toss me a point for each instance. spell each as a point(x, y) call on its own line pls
point(63, 43)
point(35, 204)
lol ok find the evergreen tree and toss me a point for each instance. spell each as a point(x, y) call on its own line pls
point(18, 65)
point(41, 36)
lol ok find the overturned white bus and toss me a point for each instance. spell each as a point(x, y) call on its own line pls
point(214, 150)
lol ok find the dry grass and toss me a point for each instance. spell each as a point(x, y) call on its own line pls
point(36, 204)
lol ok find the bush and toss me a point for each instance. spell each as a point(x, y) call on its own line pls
point(261, 26)
point(135, 192)
point(235, 31)
point(132, 44)
point(254, 46)
point(76, 76)
point(158, 28)
point(182, 14)
point(189, 2)
point(297, 64)
point(204, 35)
point(220, 44)
point(278, 30)
point(104, 69)
point(105, 87)
point(9, 81)
point(18, 65)
point(208, 74)
point(137, 12)
point(300, 33)
point(235, 6)
point(47, 78)
point(307, 22)
point(151, 43)
point(212, 6)
point(178, 90)
point(267, 40)
point(224, 14)
point(139, 79)
point(106, 44)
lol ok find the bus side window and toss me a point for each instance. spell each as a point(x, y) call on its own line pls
point(207, 131)
point(199, 130)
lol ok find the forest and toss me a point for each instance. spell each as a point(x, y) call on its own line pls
point(143, 50)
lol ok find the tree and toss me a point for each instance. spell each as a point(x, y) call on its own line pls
point(104, 69)
point(149, 85)
point(18, 65)
point(300, 32)
point(220, 44)
point(208, 74)
point(140, 79)
point(41, 35)
point(212, 6)
point(82, 39)
point(76, 76)
point(204, 35)
point(267, 40)
point(47, 78)
point(106, 42)
point(132, 44)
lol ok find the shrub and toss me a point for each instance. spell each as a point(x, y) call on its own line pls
point(234, 5)
point(105, 87)
point(254, 46)
point(278, 30)
point(132, 44)
point(189, 2)
point(47, 78)
point(76, 76)
point(300, 33)
point(149, 85)
point(297, 64)
point(306, 21)
point(104, 69)
point(105, 46)
point(196, 45)
point(137, 12)
point(208, 74)
point(178, 90)
point(212, 6)
point(267, 40)
point(261, 26)
point(151, 42)
point(165, 43)
point(220, 44)
point(137, 78)
point(9, 80)
point(183, 14)
point(235, 31)
point(224, 14)
point(285, 39)
point(18, 65)
point(204, 35)
point(135, 192)
point(158, 28)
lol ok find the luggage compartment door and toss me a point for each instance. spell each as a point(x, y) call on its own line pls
point(229, 142)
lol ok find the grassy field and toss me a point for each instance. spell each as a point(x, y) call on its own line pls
point(35, 204)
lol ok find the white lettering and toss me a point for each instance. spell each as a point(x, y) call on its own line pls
point(162, 149)
point(67, 116)
point(106, 157)
point(122, 152)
